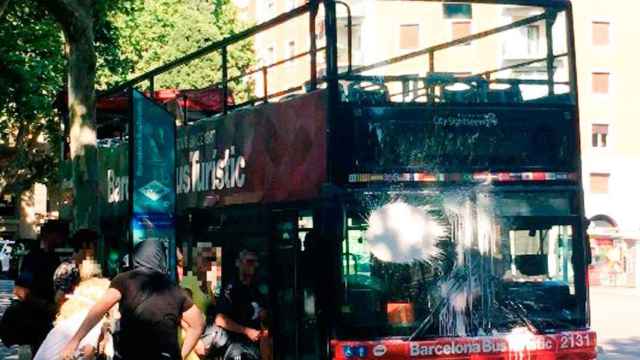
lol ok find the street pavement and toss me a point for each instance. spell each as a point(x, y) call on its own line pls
point(615, 316)
point(6, 292)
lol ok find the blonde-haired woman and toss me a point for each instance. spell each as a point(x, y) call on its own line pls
point(91, 288)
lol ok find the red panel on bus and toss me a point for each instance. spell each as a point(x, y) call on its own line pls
point(268, 153)
point(579, 345)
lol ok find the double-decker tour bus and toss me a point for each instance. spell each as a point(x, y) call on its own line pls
point(411, 184)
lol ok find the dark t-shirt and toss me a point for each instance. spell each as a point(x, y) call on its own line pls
point(242, 304)
point(36, 273)
point(151, 308)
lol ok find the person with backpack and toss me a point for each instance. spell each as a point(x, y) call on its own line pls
point(152, 308)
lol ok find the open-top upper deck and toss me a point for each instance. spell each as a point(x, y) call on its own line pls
point(417, 51)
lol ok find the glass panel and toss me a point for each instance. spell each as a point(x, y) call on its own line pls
point(457, 263)
point(393, 138)
point(457, 11)
point(230, 258)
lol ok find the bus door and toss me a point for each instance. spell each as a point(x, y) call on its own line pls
point(294, 322)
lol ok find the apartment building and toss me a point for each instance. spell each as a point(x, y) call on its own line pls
point(607, 75)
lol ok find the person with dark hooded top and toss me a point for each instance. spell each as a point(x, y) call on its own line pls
point(152, 308)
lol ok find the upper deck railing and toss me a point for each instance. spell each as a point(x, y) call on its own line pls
point(395, 77)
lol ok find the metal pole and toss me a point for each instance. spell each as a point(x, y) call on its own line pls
point(432, 68)
point(313, 51)
point(185, 110)
point(548, 25)
point(349, 34)
point(332, 84)
point(132, 183)
point(265, 85)
point(225, 86)
point(152, 92)
point(583, 247)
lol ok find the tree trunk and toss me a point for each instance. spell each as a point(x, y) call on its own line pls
point(82, 68)
point(76, 20)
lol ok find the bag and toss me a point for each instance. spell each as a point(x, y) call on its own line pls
point(214, 337)
point(25, 323)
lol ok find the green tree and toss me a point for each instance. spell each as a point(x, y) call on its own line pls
point(31, 68)
point(156, 32)
point(48, 45)
point(76, 20)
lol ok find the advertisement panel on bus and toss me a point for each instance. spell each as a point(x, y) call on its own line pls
point(275, 152)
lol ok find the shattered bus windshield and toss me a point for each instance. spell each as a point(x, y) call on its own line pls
point(465, 262)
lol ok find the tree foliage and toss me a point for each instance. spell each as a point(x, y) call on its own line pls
point(155, 32)
point(130, 38)
point(31, 69)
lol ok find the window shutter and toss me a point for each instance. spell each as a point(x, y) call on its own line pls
point(599, 183)
point(460, 29)
point(600, 33)
point(600, 83)
point(409, 38)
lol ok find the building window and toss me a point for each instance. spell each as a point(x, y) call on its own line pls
point(600, 82)
point(343, 42)
point(290, 51)
point(601, 36)
point(460, 29)
point(533, 39)
point(599, 133)
point(457, 11)
point(319, 30)
point(270, 56)
point(409, 36)
point(599, 183)
point(343, 36)
point(271, 8)
point(290, 5)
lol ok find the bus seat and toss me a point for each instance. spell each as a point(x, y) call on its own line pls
point(532, 265)
point(367, 93)
point(459, 93)
point(505, 94)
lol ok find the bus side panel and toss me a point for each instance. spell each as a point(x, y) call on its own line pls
point(269, 153)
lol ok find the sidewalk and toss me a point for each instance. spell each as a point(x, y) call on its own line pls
point(622, 291)
point(615, 316)
point(6, 292)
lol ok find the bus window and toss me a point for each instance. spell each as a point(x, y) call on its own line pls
point(356, 259)
point(460, 262)
point(541, 254)
point(305, 225)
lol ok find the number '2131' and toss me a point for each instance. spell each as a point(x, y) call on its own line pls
point(575, 341)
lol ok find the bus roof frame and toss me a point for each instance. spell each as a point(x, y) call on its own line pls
point(540, 3)
point(308, 7)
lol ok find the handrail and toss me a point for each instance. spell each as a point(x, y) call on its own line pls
point(349, 34)
point(460, 41)
point(272, 65)
point(518, 65)
point(215, 46)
